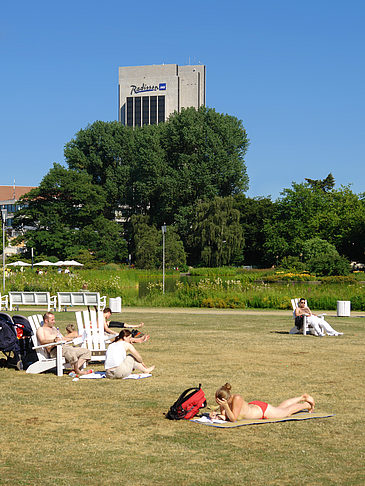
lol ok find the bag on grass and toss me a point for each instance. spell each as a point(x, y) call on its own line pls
point(298, 322)
point(188, 404)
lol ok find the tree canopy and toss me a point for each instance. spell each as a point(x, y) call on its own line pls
point(122, 184)
point(66, 214)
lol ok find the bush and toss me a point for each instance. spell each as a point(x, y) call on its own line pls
point(316, 247)
point(291, 263)
point(328, 265)
point(340, 279)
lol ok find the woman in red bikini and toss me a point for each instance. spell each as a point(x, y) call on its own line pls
point(234, 407)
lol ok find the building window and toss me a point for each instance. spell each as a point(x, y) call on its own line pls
point(153, 110)
point(130, 111)
point(161, 109)
point(137, 111)
point(145, 110)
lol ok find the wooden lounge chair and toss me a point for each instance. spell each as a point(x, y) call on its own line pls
point(91, 326)
point(44, 362)
point(307, 328)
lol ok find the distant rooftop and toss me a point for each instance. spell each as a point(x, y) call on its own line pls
point(7, 193)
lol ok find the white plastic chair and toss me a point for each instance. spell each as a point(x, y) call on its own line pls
point(307, 328)
point(91, 327)
point(44, 362)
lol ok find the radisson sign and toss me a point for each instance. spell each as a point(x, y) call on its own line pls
point(144, 88)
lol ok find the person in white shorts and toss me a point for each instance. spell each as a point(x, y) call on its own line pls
point(319, 325)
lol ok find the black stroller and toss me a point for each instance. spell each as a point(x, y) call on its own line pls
point(16, 342)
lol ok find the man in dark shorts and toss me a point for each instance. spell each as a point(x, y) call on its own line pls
point(137, 336)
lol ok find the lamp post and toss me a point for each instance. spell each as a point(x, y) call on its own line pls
point(163, 228)
point(3, 219)
point(32, 254)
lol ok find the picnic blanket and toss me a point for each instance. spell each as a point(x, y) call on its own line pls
point(205, 420)
point(101, 374)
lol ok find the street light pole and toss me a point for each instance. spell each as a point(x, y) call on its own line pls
point(163, 228)
point(32, 254)
point(3, 219)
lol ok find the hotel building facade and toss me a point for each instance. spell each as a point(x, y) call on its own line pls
point(147, 95)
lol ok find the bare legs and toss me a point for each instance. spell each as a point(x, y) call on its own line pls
point(78, 365)
point(142, 367)
point(290, 406)
point(142, 339)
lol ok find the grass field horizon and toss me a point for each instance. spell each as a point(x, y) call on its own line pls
point(59, 432)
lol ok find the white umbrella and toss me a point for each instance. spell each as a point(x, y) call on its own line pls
point(60, 263)
point(19, 263)
point(45, 263)
point(72, 263)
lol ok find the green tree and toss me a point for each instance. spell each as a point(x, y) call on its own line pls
point(324, 185)
point(146, 242)
point(315, 247)
point(254, 212)
point(217, 232)
point(105, 239)
point(205, 155)
point(104, 151)
point(327, 265)
point(148, 245)
point(158, 169)
point(175, 255)
point(63, 215)
point(304, 212)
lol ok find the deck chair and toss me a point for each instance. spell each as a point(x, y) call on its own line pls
point(307, 328)
point(90, 325)
point(44, 362)
point(4, 302)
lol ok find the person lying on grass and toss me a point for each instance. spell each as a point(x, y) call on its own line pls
point(107, 312)
point(122, 357)
point(234, 407)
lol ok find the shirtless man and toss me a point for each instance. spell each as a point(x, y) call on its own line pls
point(319, 325)
point(49, 334)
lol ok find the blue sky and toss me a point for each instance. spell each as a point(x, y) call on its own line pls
point(292, 71)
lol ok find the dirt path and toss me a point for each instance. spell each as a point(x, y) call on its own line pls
point(197, 311)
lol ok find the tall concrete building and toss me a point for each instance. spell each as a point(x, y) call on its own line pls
point(149, 94)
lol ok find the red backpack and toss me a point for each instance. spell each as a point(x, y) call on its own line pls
point(188, 404)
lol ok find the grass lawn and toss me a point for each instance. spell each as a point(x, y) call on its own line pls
point(99, 432)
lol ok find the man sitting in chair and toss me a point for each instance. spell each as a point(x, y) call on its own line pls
point(49, 334)
point(320, 326)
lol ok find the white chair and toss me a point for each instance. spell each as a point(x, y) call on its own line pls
point(4, 302)
point(307, 328)
point(44, 362)
point(91, 327)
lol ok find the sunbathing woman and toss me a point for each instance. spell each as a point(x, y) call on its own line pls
point(122, 357)
point(234, 407)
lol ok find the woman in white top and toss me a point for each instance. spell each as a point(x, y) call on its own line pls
point(122, 357)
